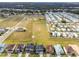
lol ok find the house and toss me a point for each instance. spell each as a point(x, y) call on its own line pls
point(70, 51)
point(52, 29)
point(77, 29)
point(75, 47)
point(63, 29)
point(58, 49)
point(70, 35)
point(39, 49)
point(10, 48)
point(54, 34)
point(75, 35)
point(64, 34)
point(58, 29)
point(68, 29)
point(29, 48)
point(58, 34)
point(50, 49)
point(19, 48)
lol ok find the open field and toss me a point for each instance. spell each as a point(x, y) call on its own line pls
point(37, 28)
point(21, 37)
point(1, 19)
point(11, 21)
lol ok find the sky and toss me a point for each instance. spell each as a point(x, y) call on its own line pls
point(39, 0)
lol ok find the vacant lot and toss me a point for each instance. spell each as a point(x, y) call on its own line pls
point(11, 21)
point(21, 37)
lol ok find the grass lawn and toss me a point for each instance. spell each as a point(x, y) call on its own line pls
point(3, 55)
point(14, 55)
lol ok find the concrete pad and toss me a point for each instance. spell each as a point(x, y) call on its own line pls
point(48, 55)
point(9, 54)
point(27, 54)
point(41, 55)
point(20, 54)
